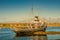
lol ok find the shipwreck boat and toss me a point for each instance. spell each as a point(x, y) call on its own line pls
point(35, 26)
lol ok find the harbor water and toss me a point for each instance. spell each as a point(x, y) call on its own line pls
point(37, 37)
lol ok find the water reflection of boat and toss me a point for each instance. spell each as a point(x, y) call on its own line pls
point(40, 38)
point(32, 38)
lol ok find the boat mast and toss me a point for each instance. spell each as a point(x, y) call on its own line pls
point(32, 10)
point(38, 10)
point(32, 13)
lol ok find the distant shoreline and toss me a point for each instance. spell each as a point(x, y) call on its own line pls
point(27, 24)
point(53, 24)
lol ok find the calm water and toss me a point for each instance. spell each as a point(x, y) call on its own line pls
point(47, 37)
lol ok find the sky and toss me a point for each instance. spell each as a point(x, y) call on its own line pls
point(17, 10)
